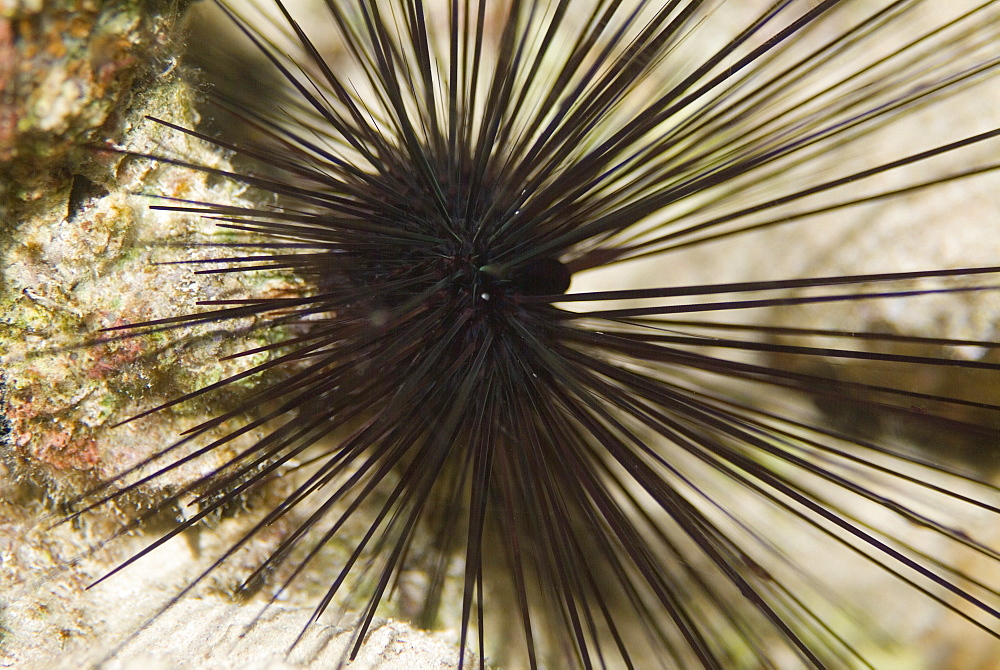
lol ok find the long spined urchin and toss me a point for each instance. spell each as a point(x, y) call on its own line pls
point(626, 474)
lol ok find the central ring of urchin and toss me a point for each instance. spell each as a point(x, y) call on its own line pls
point(487, 292)
point(483, 281)
point(461, 257)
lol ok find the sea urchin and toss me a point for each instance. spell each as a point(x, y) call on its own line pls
point(623, 464)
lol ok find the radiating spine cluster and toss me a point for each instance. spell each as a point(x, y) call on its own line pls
point(607, 457)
